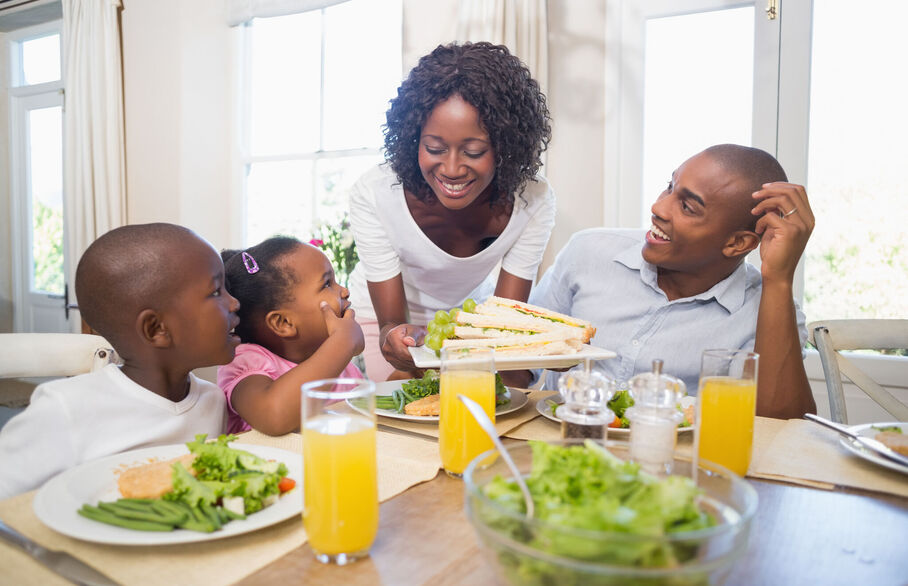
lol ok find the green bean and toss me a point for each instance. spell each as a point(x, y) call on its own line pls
point(385, 402)
point(222, 515)
point(129, 513)
point(166, 508)
point(142, 507)
point(195, 519)
point(211, 515)
point(97, 514)
point(137, 501)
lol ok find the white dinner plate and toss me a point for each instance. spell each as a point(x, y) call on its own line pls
point(517, 399)
point(545, 409)
point(58, 500)
point(424, 357)
point(867, 429)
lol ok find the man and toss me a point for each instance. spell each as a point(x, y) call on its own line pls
point(686, 287)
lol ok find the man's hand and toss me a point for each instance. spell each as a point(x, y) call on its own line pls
point(395, 341)
point(785, 226)
point(344, 327)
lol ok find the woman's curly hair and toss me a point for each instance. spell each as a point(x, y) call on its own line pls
point(512, 110)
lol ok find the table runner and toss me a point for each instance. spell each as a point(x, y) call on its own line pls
point(402, 462)
point(804, 452)
point(794, 451)
point(503, 424)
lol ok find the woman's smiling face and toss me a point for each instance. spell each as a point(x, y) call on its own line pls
point(455, 154)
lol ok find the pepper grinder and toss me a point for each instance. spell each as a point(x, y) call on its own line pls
point(585, 413)
point(654, 419)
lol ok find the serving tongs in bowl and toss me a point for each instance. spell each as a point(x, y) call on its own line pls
point(874, 445)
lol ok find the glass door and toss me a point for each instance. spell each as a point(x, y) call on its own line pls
point(857, 258)
point(36, 169)
point(691, 73)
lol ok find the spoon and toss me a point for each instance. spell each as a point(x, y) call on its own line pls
point(487, 426)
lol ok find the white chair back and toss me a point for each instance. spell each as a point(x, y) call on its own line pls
point(52, 355)
point(832, 336)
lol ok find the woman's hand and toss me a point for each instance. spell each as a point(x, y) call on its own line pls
point(395, 341)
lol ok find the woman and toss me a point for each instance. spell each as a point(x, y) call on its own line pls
point(457, 196)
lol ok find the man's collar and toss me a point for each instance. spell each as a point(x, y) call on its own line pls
point(729, 292)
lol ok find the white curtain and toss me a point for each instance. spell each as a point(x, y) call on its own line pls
point(93, 155)
point(520, 25)
point(240, 11)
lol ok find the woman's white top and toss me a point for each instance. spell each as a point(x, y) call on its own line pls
point(389, 242)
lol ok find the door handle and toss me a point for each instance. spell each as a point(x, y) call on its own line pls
point(66, 304)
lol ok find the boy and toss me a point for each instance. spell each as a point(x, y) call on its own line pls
point(156, 293)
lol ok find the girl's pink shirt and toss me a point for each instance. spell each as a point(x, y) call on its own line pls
point(253, 359)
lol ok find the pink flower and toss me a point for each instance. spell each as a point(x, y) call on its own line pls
point(317, 242)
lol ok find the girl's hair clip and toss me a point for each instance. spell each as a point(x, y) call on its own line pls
point(252, 267)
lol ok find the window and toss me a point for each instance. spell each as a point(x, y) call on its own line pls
point(857, 259)
point(318, 86)
point(36, 168)
point(830, 111)
point(687, 109)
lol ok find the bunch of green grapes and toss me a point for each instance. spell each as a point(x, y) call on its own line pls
point(441, 327)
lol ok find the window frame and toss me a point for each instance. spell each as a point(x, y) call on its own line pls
point(787, 137)
point(19, 99)
point(247, 159)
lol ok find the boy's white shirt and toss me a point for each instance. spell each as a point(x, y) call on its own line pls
point(74, 420)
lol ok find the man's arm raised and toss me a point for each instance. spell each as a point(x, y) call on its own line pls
point(785, 225)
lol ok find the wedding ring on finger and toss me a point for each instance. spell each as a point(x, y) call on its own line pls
point(786, 214)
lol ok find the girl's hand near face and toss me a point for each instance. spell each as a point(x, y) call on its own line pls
point(344, 327)
point(397, 340)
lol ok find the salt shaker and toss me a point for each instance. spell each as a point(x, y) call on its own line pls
point(585, 413)
point(654, 419)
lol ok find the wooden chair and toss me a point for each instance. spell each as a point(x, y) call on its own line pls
point(832, 336)
point(52, 355)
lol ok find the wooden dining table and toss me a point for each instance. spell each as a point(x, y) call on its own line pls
point(799, 536)
point(823, 517)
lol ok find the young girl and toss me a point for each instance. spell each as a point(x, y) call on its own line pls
point(296, 325)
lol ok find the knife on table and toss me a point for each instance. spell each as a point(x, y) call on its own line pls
point(870, 443)
point(60, 562)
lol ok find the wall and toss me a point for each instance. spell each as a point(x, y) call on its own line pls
point(181, 68)
point(179, 61)
point(577, 105)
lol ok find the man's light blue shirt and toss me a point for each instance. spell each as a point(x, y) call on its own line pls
point(601, 276)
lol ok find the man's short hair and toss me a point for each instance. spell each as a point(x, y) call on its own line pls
point(752, 165)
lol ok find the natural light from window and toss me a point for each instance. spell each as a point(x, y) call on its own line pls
point(688, 108)
point(320, 83)
point(40, 59)
point(45, 137)
point(857, 258)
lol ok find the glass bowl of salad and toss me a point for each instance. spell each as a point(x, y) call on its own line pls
point(601, 520)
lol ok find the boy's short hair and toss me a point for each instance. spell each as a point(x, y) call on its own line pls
point(124, 271)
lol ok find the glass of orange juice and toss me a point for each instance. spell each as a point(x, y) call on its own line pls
point(470, 373)
point(340, 482)
point(727, 403)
